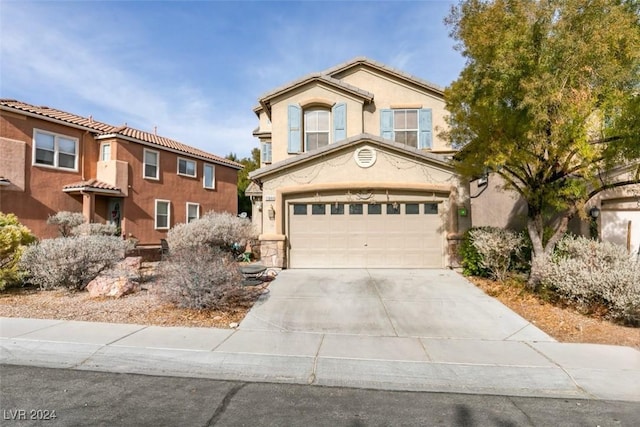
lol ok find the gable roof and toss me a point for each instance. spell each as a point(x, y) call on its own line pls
point(332, 76)
point(104, 130)
point(265, 100)
point(337, 146)
point(339, 70)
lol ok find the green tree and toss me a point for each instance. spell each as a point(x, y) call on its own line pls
point(14, 237)
point(250, 164)
point(549, 99)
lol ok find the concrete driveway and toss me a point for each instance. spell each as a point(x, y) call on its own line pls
point(386, 303)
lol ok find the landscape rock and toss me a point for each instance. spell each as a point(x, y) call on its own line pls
point(115, 287)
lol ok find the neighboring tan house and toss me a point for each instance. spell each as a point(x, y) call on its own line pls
point(353, 173)
point(53, 161)
point(611, 215)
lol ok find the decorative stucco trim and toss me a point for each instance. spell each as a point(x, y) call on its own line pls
point(317, 101)
point(283, 192)
point(405, 106)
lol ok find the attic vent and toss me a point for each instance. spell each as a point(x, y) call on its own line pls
point(365, 156)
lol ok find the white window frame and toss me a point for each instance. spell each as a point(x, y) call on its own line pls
point(195, 167)
point(197, 205)
point(155, 214)
point(396, 130)
point(306, 115)
point(102, 148)
point(213, 176)
point(144, 164)
point(56, 150)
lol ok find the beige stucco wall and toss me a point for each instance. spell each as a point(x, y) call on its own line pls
point(392, 93)
point(337, 177)
point(492, 205)
point(279, 114)
point(362, 117)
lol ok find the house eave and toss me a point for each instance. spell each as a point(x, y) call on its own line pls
point(162, 147)
point(361, 138)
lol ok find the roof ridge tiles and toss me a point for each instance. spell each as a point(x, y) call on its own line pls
point(102, 128)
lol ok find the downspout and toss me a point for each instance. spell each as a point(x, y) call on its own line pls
point(82, 154)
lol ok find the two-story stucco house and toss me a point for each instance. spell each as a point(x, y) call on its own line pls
point(53, 161)
point(353, 173)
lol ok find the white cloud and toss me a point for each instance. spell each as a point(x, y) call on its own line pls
point(81, 65)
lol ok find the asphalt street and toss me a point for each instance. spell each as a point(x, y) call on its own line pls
point(34, 396)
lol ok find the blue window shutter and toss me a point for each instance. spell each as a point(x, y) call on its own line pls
point(294, 122)
point(386, 124)
point(266, 152)
point(425, 125)
point(339, 113)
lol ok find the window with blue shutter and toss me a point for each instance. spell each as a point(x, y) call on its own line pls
point(339, 113)
point(386, 124)
point(266, 152)
point(294, 125)
point(425, 130)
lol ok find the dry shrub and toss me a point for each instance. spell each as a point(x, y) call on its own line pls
point(66, 221)
point(94, 228)
point(591, 274)
point(214, 229)
point(201, 277)
point(71, 262)
point(497, 247)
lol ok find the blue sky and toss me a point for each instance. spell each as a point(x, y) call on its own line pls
point(195, 69)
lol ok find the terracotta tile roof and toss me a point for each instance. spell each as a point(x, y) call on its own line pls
point(102, 129)
point(91, 184)
point(162, 141)
point(361, 60)
point(52, 113)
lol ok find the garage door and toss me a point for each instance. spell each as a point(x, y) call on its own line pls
point(358, 235)
point(622, 227)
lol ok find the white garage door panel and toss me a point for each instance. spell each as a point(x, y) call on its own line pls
point(615, 228)
point(365, 240)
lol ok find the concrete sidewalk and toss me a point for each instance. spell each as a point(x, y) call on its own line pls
point(383, 352)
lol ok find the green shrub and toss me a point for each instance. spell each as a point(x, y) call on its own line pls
point(13, 239)
point(71, 262)
point(471, 259)
point(201, 277)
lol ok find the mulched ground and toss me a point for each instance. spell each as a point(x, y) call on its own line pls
point(565, 324)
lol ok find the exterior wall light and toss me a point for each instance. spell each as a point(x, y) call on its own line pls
point(594, 212)
point(271, 212)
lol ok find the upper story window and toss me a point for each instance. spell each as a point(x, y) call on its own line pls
point(318, 127)
point(52, 149)
point(105, 152)
point(411, 127)
point(186, 167)
point(209, 176)
point(265, 152)
point(151, 166)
